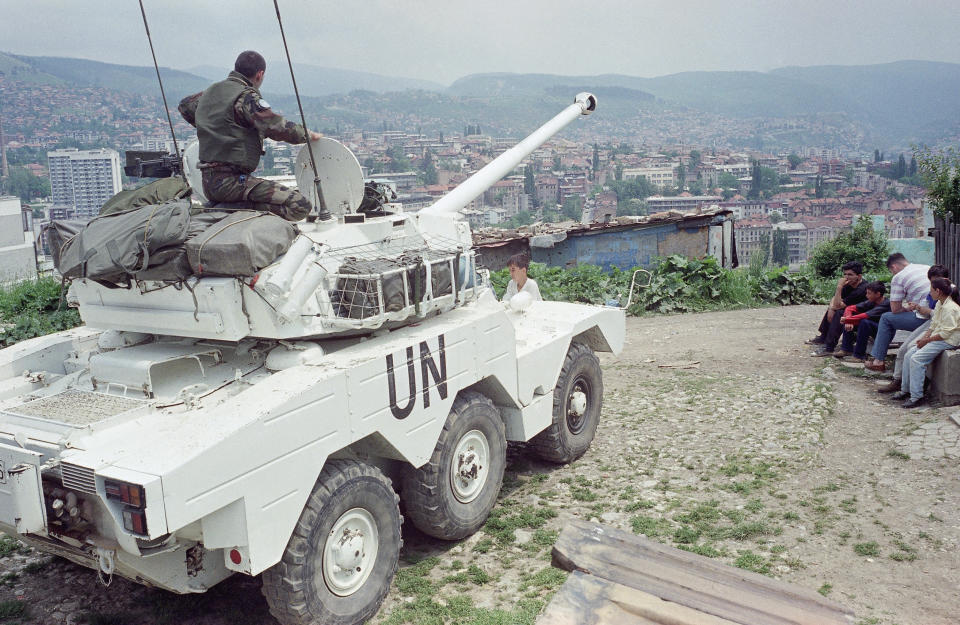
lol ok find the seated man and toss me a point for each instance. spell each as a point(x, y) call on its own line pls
point(909, 284)
point(851, 289)
point(924, 309)
point(519, 282)
point(861, 320)
point(231, 120)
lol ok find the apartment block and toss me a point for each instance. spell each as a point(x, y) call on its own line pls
point(81, 181)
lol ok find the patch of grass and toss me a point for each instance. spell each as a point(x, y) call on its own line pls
point(483, 545)
point(9, 578)
point(477, 575)
point(791, 516)
point(754, 505)
point(10, 546)
point(825, 589)
point(849, 505)
point(582, 493)
point(505, 519)
point(899, 455)
point(649, 526)
point(752, 562)
point(547, 578)
point(35, 567)
point(413, 580)
point(867, 549)
point(745, 531)
point(702, 550)
point(640, 504)
point(686, 535)
point(13, 609)
point(539, 478)
point(905, 553)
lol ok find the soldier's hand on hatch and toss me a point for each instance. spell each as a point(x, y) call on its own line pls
point(315, 136)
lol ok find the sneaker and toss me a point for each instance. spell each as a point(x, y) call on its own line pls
point(900, 395)
point(894, 385)
point(913, 403)
point(823, 351)
point(841, 353)
point(817, 340)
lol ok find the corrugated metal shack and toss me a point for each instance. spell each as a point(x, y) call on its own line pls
point(626, 242)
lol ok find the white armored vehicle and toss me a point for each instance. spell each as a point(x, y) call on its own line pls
point(265, 424)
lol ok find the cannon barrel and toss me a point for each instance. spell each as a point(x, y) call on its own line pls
point(472, 187)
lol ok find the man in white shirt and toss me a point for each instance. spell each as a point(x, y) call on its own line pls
point(519, 282)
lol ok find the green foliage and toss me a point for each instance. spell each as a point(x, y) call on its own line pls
point(23, 183)
point(636, 188)
point(941, 171)
point(677, 284)
point(32, 308)
point(862, 244)
point(794, 160)
point(781, 248)
point(728, 181)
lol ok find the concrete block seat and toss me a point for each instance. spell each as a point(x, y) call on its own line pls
point(944, 374)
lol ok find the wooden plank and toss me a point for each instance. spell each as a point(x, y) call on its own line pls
point(589, 599)
point(691, 580)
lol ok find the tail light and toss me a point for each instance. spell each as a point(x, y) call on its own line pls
point(133, 495)
point(130, 494)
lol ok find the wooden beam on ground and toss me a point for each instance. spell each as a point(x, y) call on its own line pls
point(691, 580)
point(588, 599)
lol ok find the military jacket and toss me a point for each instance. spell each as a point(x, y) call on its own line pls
point(231, 120)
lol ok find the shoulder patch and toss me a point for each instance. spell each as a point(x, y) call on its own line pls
point(263, 104)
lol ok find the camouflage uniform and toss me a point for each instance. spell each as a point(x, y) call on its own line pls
point(229, 182)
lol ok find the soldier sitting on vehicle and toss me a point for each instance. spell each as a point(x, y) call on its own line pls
point(232, 119)
point(519, 282)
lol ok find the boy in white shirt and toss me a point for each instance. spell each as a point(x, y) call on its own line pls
point(519, 282)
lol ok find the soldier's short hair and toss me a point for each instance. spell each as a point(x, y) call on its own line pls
point(249, 63)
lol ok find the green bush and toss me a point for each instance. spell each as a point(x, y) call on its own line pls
point(677, 284)
point(33, 308)
point(862, 244)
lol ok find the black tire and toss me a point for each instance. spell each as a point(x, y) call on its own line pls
point(435, 504)
point(297, 588)
point(570, 434)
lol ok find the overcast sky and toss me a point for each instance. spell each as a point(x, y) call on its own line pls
point(445, 40)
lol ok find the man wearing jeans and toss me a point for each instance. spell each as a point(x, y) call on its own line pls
point(909, 285)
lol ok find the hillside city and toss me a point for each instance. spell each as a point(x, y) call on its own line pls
point(806, 195)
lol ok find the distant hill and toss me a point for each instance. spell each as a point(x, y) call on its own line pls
point(903, 101)
point(313, 80)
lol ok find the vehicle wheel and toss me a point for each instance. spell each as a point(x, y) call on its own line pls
point(452, 495)
point(343, 553)
point(577, 400)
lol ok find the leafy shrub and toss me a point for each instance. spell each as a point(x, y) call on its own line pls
point(941, 172)
point(862, 244)
point(33, 308)
point(677, 284)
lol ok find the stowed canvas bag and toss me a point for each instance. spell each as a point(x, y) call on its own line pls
point(240, 245)
point(113, 247)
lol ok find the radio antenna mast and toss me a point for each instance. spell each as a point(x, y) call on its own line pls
point(166, 109)
point(323, 214)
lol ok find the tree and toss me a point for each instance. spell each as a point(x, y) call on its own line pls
point(785, 179)
point(941, 171)
point(913, 166)
point(876, 156)
point(681, 177)
point(794, 160)
point(755, 175)
point(21, 182)
point(596, 160)
point(862, 244)
point(618, 172)
point(530, 185)
point(781, 248)
point(818, 187)
point(429, 170)
point(776, 217)
point(761, 256)
point(695, 158)
point(557, 163)
point(573, 207)
point(901, 167)
point(728, 181)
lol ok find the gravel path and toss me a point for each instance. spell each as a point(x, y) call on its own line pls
point(759, 456)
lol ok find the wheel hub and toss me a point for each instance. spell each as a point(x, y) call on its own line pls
point(468, 470)
point(577, 402)
point(350, 552)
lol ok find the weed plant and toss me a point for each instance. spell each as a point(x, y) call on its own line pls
point(33, 308)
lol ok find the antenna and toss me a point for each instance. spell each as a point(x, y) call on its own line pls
point(323, 214)
point(166, 109)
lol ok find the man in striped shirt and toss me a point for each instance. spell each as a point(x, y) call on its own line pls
point(909, 285)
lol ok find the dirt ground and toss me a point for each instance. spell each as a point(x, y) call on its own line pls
point(759, 456)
